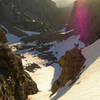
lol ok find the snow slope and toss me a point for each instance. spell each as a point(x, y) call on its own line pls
point(59, 48)
point(87, 87)
point(45, 76)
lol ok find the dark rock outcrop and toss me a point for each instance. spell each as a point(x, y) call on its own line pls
point(85, 20)
point(15, 83)
point(3, 38)
point(36, 15)
point(71, 64)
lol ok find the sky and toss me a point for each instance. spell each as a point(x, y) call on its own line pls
point(62, 3)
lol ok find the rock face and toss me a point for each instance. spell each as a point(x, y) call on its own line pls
point(3, 38)
point(37, 15)
point(71, 64)
point(15, 83)
point(85, 20)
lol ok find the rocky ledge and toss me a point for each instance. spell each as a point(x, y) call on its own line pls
point(15, 83)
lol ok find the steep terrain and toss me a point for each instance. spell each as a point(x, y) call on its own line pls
point(88, 85)
point(34, 15)
point(49, 65)
point(43, 57)
point(15, 83)
point(85, 20)
point(52, 72)
point(69, 70)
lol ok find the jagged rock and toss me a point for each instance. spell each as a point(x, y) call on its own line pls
point(85, 20)
point(15, 83)
point(71, 64)
point(36, 15)
point(3, 38)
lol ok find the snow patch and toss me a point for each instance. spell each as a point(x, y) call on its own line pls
point(12, 38)
point(64, 32)
point(59, 48)
point(87, 87)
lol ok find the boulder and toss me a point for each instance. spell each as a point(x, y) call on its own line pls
point(71, 64)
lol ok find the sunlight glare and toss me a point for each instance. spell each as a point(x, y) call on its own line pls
point(64, 2)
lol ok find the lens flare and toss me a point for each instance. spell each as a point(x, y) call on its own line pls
point(81, 20)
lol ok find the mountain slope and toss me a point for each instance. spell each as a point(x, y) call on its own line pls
point(87, 87)
point(85, 20)
point(37, 15)
point(15, 83)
